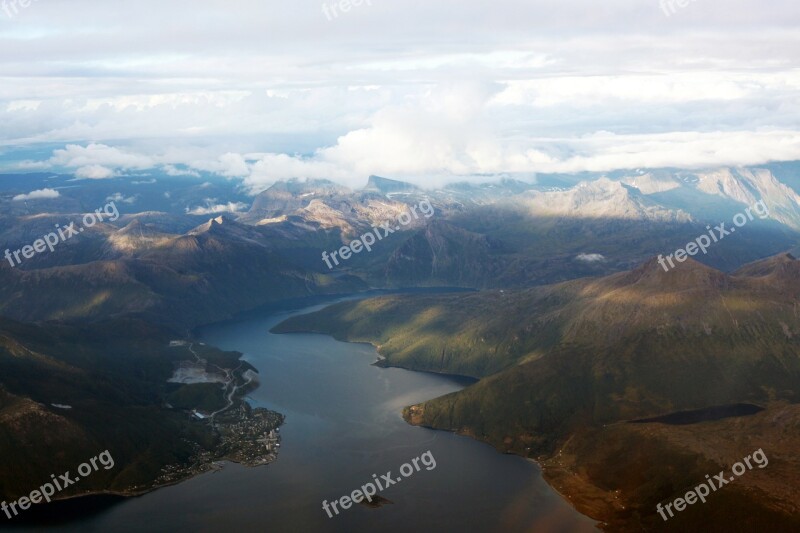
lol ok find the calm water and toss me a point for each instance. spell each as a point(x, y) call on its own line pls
point(343, 425)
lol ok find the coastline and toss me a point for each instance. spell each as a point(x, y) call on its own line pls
point(187, 471)
point(236, 428)
point(408, 415)
point(413, 417)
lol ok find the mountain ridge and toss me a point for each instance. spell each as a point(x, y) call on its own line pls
point(561, 364)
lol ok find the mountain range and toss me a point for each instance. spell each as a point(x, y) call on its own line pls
point(573, 328)
point(564, 368)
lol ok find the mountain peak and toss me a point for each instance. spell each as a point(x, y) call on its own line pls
point(386, 185)
point(601, 198)
point(133, 226)
point(657, 273)
point(783, 265)
point(212, 224)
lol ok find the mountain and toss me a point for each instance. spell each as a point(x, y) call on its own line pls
point(564, 367)
point(302, 207)
point(80, 390)
point(509, 234)
point(602, 198)
point(444, 254)
point(783, 268)
point(387, 186)
point(134, 238)
point(285, 197)
point(515, 234)
point(720, 193)
point(212, 272)
point(653, 182)
point(748, 186)
point(586, 351)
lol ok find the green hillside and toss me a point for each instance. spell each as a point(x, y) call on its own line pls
point(69, 393)
point(560, 361)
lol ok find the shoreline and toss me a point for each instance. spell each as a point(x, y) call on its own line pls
point(407, 415)
point(195, 470)
point(39, 514)
point(383, 362)
point(544, 469)
point(254, 418)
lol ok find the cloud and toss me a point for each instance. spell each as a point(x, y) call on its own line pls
point(434, 155)
point(99, 155)
point(119, 197)
point(553, 88)
point(94, 172)
point(439, 149)
point(230, 207)
point(172, 170)
point(41, 194)
point(231, 165)
point(590, 258)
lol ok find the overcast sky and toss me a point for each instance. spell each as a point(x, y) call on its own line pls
point(425, 90)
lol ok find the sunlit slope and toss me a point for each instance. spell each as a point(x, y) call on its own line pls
point(565, 366)
point(209, 274)
point(69, 393)
point(625, 328)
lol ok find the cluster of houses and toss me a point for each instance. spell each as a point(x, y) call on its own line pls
point(272, 441)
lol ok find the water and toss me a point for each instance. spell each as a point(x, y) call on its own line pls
point(343, 425)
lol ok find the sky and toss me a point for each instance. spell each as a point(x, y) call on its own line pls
point(427, 91)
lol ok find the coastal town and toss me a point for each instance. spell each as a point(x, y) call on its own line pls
point(245, 435)
point(249, 436)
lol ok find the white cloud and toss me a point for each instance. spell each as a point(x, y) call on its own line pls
point(433, 155)
point(94, 172)
point(231, 165)
point(537, 86)
point(590, 258)
point(41, 194)
point(230, 207)
point(97, 155)
point(172, 170)
point(119, 197)
point(435, 150)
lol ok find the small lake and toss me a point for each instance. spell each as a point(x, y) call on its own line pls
point(344, 424)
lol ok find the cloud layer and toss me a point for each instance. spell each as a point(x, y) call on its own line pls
point(427, 91)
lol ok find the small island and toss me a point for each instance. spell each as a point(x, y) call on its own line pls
point(377, 502)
